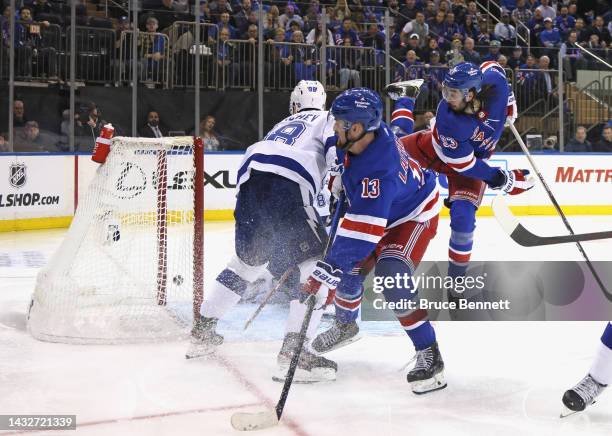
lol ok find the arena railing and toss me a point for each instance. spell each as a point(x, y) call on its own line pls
point(96, 55)
point(183, 51)
point(37, 47)
point(286, 63)
point(153, 58)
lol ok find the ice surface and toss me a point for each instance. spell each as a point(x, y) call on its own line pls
point(503, 378)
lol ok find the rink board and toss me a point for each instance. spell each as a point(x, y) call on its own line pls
point(40, 191)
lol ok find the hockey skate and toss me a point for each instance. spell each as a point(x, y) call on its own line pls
point(409, 88)
point(428, 372)
point(339, 335)
point(581, 396)
point(311, 368)
point(204, 338)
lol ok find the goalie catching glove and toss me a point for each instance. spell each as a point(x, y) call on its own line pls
point(321, 284)
point(513, 182)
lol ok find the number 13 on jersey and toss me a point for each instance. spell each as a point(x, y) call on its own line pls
point(370, 188)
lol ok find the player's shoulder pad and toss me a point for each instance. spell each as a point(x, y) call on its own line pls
point(493, 73)
point(453, 125)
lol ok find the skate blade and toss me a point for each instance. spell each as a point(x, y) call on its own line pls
point(198, 351)
point(340, 344)
point(566, 411)
point(306, 377)
point(435, 383)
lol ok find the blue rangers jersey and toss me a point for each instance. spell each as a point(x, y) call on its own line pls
point(295, 149)
point(384, 188)
point(464, 141)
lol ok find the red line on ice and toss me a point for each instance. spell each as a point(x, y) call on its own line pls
point(294, 426)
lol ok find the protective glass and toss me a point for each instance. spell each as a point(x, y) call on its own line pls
point(452, 95)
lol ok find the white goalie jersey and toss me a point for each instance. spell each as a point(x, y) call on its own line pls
point(295, 148)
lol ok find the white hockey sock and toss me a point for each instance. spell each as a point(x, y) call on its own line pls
point(601, 370)
point(297, 311)
point(218, 300)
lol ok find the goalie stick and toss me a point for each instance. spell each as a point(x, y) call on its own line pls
point(244, 421)
point(559, 211)
point(524, 237)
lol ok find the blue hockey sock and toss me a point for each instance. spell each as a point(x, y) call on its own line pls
point(606, 338)
point(423, 336)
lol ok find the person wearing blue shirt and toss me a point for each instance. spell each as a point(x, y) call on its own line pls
point(565, 22)
point(550, 36)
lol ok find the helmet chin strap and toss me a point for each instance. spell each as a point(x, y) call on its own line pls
point(347, 146)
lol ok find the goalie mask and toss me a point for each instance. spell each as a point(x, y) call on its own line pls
point(308, 94)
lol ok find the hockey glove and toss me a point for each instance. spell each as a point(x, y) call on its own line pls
point(321, 284)
point(513, 182)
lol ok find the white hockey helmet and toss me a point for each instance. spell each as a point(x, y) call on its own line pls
point(307, 94)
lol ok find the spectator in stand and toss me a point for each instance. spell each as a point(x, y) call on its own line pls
point(432, 45)
point(311, 18)
point(494, 53)
point(521, 13)
point(503, 61)
point(374, 38)
point(426, 122)
point(414, 44)
point(508, 6)
point(19, 118)
point(430, 10)
point(152, 47)
point(208, 135)
point(241, 17)
point(454, 55)
point(444, 6)
point(604, 145)
point(434, 74)
point(90, 122)
point(419, 27)
point(290, 15)
point(601, 31)
point(451, 28)
point(347, 31)
point(593, 45)
point(29, 43)
point(304, 62)
point(582, 33)
point(315, 36)
point(544, 76)
point(410, 9)
point(472, 9)
point(579, 144)
point(152, 128)
point(469, 54)
point(550, 36)
point(436, 27)
point(218, 7)
point(30, 139)
point(460, 10)
point(505, 32)
point(516, 59)
point(484, 39)
point(228, 69)
point(349, 63)
point(572, 57)
point(280, 61)
point(252, 20)
point(565, 22)
point(410, 69)
point(294, 26)
point(470, 27)
point(546, 10)
point(536, 26)
point(224, 23)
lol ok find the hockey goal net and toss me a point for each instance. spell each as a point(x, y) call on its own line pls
point(130, 267)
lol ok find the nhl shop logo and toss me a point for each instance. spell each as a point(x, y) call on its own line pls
point(17, 175)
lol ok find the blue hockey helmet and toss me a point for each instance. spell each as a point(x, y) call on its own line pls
point(464, 77)
point(358, 105)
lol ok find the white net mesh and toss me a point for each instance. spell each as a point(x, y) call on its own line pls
point(124, 272)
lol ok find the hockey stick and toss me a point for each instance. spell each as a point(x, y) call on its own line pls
point(524, 237)
point(265, 301)
point(559, 211)
point(258, 421)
